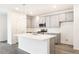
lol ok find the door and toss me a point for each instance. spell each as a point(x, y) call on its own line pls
point(3, 27)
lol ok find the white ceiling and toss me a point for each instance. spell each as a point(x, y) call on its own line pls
point(37, 9)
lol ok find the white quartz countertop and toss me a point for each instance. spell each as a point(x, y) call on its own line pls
point(36, 36)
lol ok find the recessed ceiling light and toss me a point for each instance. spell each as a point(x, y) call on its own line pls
point(31, 13)
point(37, 16)
point(54, 6)
point(17, 8)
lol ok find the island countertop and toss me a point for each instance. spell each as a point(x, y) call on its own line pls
point(35, 43)
point(36, 36)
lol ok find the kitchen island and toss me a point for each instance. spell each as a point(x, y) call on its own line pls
point(36, 43)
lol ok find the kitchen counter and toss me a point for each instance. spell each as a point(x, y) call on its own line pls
point(37, 36)
point(36, 43)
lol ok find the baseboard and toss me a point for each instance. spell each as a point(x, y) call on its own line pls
point(66, 44)
point(12, 43)
point(3, 41)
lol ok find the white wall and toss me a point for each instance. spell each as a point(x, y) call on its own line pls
point(16, 25)
point(9, 29)
point(29, 21)
point(66, 30)
point(76, 27)
point(3, 27)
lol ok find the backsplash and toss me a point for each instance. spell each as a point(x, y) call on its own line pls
point(49, 30)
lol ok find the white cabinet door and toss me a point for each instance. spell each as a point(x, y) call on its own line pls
point(69, 16)
point(48, 21)
point(35, 22)
point(66, 16)
point(67, 33)
point(61, 17)
point(54, 22)
point(42, 20)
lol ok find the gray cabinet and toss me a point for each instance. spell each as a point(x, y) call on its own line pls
point(57, 38)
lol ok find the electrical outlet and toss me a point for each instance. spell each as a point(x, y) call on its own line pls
point(66, 39)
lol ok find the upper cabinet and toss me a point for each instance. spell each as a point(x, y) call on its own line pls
point(35, 21)
point(61, 17)
point(54, 21)
point(51, 21)
point(65, 17)
point(47, 21)
point(42, 20)
point(69, 16)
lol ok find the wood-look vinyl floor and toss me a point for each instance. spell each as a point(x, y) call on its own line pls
point(13, 49)
point(65, 49)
